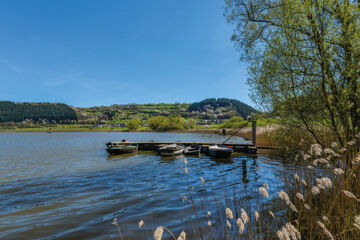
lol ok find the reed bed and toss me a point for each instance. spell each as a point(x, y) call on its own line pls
point(321, 202)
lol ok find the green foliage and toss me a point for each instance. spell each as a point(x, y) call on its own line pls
point(176, 122)
point(133, 124)
point(18, 112)
point(241, 108)
point(266, 121)
point(162, 123)
point(234, 122)
point(157, 122)
point(304, 61)
point(191, 124)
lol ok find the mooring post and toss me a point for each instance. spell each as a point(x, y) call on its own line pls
point(253, 132)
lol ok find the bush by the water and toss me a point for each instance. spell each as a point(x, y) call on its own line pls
point(234, 122)
point(173, 122)
point(133, 124)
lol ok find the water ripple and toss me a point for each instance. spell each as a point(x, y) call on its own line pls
point(64, 185)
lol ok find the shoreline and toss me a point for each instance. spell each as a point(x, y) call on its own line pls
point(261, 136)
point(104, 130)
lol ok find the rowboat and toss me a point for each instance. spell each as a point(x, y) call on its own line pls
point(192, 150)
point(220, 151)
point(121, 147)
point(171, 150)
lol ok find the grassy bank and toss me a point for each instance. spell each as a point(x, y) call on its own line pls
point(104, 129)
point(66, 129)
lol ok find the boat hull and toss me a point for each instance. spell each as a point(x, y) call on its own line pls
point(171, 152)
point(192, 150)
point(222, 152)
point(120, 150)
point(121, 147)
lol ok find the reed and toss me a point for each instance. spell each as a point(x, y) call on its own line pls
point(320, 202)
point(330, 191)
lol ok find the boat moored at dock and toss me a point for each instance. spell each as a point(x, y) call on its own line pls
point(171, 149)
point(220, 151)
point(189, 147)
point(192, 150)
point(121, 147)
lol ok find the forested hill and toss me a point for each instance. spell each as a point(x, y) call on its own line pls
point(18, 112)
point(43, 113)
point(213, 104)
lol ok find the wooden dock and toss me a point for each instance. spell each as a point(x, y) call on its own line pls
point(237, 147)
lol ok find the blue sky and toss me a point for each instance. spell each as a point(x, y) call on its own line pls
point(87, 53)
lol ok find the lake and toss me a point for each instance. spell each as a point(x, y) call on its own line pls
point(66, 186)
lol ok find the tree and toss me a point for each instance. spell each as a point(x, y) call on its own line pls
point(191, 124)
point(156, 122)
point(304, 60)
point(161, 123)
point(234, 122)
point(243, 109)
point(133, 124)
point(18, 112)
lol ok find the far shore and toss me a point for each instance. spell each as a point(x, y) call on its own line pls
point(261, 136)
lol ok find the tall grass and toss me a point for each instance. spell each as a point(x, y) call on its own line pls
point(330, 194)
point(321, 201)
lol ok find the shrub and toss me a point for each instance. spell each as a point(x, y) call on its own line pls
point(133, 124)
point(234, 122)
point(191, 124)
point(161, 123)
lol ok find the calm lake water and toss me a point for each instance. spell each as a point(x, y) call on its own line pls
point(65, 185)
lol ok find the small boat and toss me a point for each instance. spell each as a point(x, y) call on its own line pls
point(121, 147)
point(171, 150)
point(220, 151)
point(192, 150)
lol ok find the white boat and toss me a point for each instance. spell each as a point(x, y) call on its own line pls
point(171, 150)
point(192, 150)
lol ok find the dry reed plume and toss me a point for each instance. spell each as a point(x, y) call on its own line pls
point(263, 192)
point(244, 216)
point(240, 225)
point(182, 236)
point(158, 233)
point(229, 213)
point(257, 216)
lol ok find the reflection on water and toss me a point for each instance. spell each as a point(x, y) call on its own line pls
point(65, 185)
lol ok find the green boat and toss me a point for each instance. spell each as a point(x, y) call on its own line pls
point(121, 147)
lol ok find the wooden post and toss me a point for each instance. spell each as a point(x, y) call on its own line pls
point(254, 132)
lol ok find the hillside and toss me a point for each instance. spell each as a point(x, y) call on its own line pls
point(119, 113)
point(208, 111)
point(223, 107)
point(36, 112)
